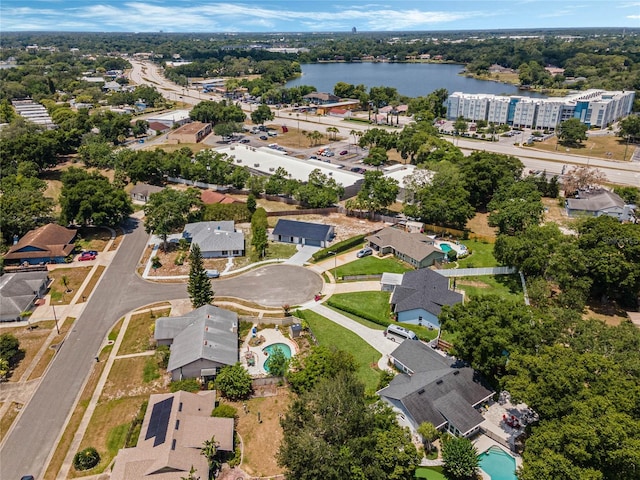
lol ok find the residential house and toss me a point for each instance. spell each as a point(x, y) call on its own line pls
point(209, 197)
point(599, 202)
point(50, 243)
point(202, 342)
point(173, 432)
point(19, 292)
point(420, 297)
point(303, 233)
point(414, 248)
point(142, 191)
point(436, 389)
point(216, 239)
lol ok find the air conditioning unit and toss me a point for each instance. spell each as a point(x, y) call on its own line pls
point(271, 169)
point(256, 165)
point(239, 160)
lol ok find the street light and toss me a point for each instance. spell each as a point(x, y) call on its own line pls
point(55, 318)
point(335, 264)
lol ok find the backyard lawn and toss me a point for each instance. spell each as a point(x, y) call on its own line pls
point(506, 286)
point(372, 266)
point(330, 334)
point(430, 473)
point(369, 305)
point(481, 255)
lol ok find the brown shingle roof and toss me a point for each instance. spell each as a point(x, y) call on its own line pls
point(50, 240)
point(414, 245)
point(209, 197)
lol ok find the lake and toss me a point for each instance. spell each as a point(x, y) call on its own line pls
point(410, 79)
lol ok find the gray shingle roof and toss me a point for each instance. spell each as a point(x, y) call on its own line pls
point(17, 291)
point(438, 391)
point(413, 245)
point(311, 231)
point(205, 333)
point(595, 201)
point(214, 236)
point(424, 289)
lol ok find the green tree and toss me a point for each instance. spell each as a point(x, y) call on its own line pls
point(320, 190)
point(210, 451)
point(234, 382)
point(169, 211)
point(251, 203)
point(377, 157)
point(377, 191)
point(192, 475)
point(262, 114)
point(630, 195)
point(199, 286)
point(572, 132)
point(460, 459)
point(90, 199)
point(429, 434)
point(9, 348)
point(23, 205)
point(320, 363)
point(277, 363)
point(461, 126)
point(515, 207)
point(630, 128)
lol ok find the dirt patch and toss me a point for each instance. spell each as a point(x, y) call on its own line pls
point(262, 438)
point(169, 267)
point(31, 340)
point(61, 294)
point(609, 314)
point(554, 213)
point(608, 147)
point(479, 225)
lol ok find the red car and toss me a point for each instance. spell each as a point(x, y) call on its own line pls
point(87, 256)
point(343, 152)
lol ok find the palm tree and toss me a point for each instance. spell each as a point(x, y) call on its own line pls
point(429, 434)
point(65, 281)
point(210, 450)
point(332, 133)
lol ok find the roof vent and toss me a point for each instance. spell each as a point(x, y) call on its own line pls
point(438, 382)
point(256, 165)
point(421, 391)
point(457, 372)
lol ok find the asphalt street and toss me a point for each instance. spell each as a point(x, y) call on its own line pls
point(272, 286)
point(26, 449)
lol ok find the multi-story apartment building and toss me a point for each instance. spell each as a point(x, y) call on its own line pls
point(595, 108)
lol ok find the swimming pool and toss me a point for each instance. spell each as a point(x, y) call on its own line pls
point(498, 464)
point(268, 350)
point(445, 248)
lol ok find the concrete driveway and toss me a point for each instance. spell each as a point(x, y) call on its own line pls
point(273, 285)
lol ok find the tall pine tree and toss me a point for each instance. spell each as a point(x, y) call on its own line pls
point(199, 287)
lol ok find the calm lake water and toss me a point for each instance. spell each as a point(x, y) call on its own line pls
point(410, 79)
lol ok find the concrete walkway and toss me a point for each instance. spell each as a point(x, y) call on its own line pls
point(302, 256)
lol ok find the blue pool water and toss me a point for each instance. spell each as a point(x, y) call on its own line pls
point(445, 248)
point(269, 349)
point(498, 464)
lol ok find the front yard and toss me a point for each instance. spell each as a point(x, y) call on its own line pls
point(371, 266)
point(330, 334)
point(62, 294)
point(505, 286)
point(372, 306)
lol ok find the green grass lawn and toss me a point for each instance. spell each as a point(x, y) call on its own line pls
point(430, 473)
point(369, 305)
point(356, 318)
point(481, 255)
point(329, 333)
point(372, 266)
point(506, 286)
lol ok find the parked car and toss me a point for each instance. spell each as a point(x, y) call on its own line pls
point(313, 157)
point(271, 133)
point(343, 152)
point(91, 252)
point(264, 137)
point(262, 128)
point(85, 256)
point(213, 274)
point(365, 252)
point(329, 154)
point(245, 140)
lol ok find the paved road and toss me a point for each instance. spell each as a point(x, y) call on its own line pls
point(273, 285)
point(35, 432)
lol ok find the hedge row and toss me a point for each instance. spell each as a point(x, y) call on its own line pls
point(358, 313)
point(339, 247)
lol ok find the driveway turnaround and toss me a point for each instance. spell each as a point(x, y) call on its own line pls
point(272, 286)
point(35, 432)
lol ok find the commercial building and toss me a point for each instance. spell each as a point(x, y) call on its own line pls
point(174, 117)
point(594, 108)
point(190, 133)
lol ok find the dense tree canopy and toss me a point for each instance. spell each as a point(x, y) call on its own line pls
point(23, 205)
point(169, 210)
point(515, 207)
point(90, 199)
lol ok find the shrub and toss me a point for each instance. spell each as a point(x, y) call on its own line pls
point(339, 247)
point(86, 459)
point(155, 262)
point(188, 385)
point(225, 411)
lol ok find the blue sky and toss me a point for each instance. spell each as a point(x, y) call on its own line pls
point(311, 16)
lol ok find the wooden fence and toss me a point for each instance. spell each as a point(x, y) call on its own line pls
point(304, 211)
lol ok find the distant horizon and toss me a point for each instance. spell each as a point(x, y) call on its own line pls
point(306, 16)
